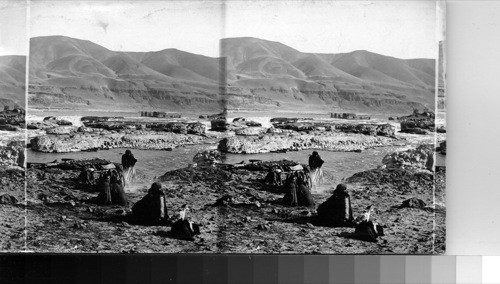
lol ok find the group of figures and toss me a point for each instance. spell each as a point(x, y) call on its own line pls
point(336, 211)
point(111, 182)
point(151, 210)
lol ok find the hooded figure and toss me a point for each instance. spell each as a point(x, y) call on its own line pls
point(304, 197)
point(298, 191)
point(104, 186)
point(337, 211)
point(273, 177)
point(367, 230)
point(118, 195)
point(315, 163)
point(128, 163)
point(290, 198)
point(152, 208)
point(128, 159)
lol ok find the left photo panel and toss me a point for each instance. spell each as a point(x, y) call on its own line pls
point(119, 99)
point(13, 51)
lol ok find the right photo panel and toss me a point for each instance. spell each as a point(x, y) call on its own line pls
point(337, 110)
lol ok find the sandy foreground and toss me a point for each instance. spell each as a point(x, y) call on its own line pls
point(61, 218)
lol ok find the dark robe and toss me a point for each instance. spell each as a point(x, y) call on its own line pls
point(87, 177)
point(290, 198)
point(304, 196)
point(185, 230)
point(315, 161)
point(368, 231)
point(118, 195)
point(337, 210)
point(128, 160)
point(273, 178)
point(104, 196)
point(152, 208)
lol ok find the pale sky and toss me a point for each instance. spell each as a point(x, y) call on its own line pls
point(404, 29)
point(13, 40)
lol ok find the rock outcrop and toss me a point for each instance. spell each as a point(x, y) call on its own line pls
point(149, 140)
point(12, 154)
point(41, 125)
point(413, 203)
point(55, 120)
point(367, 129)
point(293, 142)
point(250, 131)
point(219, 124)
point(420, 158)
point(418, 123)
point(12, 120)
point(311, 125)
point(208, 158)
point(60, 130)
point(174, 127)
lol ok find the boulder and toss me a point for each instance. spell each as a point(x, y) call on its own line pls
point(386, 130)
point(418, 123)
point(413, 203)
point(41, 125)
point(8, 127)
point(441, 129)
point(442, 147)
point(208, 158)
point(82, 141)
point(7, 199)
point(197, 128)
point(265, 143)
point(219, 125)
point(420, 158)
point(12, 153)
point(62, 130)
point(244, 121)
point(250, 131)
point(273, 130)
point(55, 120)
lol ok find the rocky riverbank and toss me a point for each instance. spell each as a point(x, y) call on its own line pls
point(12, 119)
point(295, 141)
point(85, 141)
point(238, 213)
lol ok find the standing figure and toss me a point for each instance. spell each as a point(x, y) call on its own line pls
point(304, 197)
point(118, 195)
point(128, 163)
point(104, 185)
point(315, 164)
point(290, 198)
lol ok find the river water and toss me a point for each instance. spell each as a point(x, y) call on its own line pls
point(154, 163)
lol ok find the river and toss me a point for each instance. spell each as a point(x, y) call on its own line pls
point(154, 163)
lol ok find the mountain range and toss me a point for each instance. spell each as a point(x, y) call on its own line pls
point(251, 74)
point(12, 81)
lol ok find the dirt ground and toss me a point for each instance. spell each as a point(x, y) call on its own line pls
point(12, 214)
point(62, 218)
